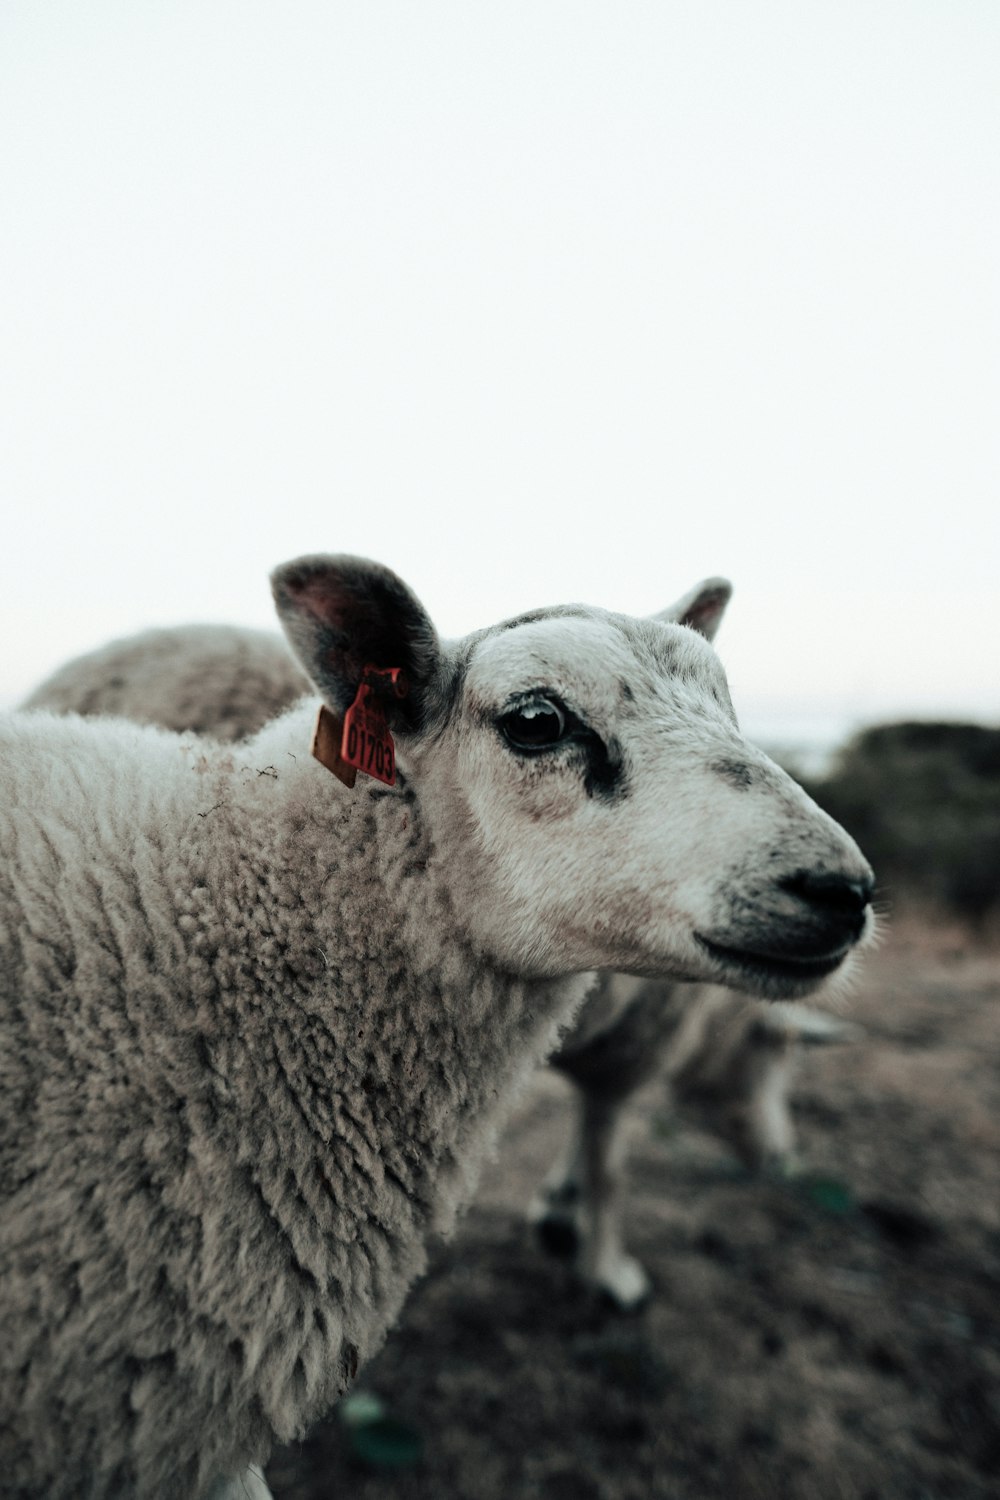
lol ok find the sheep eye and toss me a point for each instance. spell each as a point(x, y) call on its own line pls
point(534, 726)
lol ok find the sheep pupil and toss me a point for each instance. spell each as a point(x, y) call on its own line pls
point(536, 726)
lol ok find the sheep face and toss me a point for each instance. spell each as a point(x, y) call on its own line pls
point(591, 800)
point(599, 809)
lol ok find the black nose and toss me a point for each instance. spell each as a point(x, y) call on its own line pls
point(831, 892)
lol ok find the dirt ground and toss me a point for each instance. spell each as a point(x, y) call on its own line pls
point(833, 1335)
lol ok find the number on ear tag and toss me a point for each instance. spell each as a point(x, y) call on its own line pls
point(366, 742)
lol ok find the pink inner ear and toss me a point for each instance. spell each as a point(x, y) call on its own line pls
point(318, 599)
point(705, 609)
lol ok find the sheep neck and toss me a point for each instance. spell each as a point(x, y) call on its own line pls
point(358, 1055)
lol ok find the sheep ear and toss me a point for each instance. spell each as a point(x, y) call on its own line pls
point(702, 608)
point(342, 614)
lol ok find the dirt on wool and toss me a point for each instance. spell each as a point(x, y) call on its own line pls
point(831, 1336)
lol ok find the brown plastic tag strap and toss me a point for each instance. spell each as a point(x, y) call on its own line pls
point(326, 746)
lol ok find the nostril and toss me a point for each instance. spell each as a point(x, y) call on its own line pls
point(836, 892)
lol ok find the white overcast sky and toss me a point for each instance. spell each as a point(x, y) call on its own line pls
point(534, 301)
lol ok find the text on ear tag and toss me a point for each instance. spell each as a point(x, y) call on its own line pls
point(366, 741)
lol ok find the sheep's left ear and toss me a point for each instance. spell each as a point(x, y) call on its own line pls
point(343, 614)
point(702, 608)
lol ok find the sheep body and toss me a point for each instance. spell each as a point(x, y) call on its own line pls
point(257, 1030)
point(192, 949)
point(728, 1060)
point(224, 681)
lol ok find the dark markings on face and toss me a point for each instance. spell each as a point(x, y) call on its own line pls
point(604, 775)
point(603, 765)
point(600, 765)
point(738, 774)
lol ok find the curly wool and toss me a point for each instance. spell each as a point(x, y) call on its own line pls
point(247, 1064)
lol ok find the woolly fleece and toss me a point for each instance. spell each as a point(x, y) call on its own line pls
point(225, 681)
point(253, 1048)
point(246, 1065)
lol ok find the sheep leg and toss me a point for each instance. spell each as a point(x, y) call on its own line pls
point(555, 1213)
point(602, 1260)
point(579, 1210)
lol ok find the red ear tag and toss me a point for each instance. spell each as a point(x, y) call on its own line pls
point(366, 742)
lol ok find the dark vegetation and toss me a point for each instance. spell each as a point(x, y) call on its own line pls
point(923, 801)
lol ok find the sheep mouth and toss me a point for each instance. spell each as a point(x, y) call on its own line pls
point(768, 966)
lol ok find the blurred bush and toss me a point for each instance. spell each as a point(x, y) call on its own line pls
point(923, 801)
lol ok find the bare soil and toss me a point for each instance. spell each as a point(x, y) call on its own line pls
point(833, 1335)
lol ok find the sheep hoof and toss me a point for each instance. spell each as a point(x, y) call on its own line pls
point(625, 1286)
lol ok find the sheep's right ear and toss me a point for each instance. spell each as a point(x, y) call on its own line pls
point(343, 614)
point(702, 607)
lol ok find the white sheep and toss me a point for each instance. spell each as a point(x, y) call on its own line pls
point(258, 1030)
point(729, 1060)
point(225, 681)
